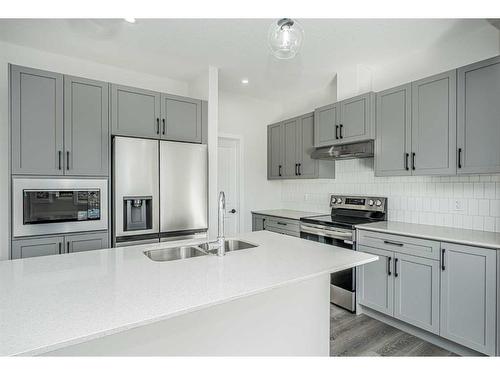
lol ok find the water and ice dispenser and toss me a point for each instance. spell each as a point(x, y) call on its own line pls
point(137, 213)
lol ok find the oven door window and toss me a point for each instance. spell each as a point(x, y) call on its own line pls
point(60, 206)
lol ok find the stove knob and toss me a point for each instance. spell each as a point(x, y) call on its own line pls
point(334, 200)
point(370, 202)
point(378, 203)
point(339, 200)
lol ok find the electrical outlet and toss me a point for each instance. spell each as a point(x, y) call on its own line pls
point(459, 205)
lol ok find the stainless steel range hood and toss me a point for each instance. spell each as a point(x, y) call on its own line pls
point(342, 152)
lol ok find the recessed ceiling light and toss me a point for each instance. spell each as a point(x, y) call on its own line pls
point(244, 81)
point(130, 20)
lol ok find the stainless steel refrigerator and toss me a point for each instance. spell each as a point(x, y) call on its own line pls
point(160, 190)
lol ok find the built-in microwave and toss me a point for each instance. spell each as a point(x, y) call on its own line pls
point(43, 206)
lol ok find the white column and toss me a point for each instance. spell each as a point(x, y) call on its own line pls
point(213, 124)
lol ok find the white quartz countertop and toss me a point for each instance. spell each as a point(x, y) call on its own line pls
point(287, 214)
point(51, 302)
point(438, 233)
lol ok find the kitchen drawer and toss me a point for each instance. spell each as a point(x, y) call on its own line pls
point(401, 244)
point(283, 231)
point(282, 224)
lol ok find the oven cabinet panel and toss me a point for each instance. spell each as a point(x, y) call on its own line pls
point(416, 291)
point(468, 295)
point(375, 281)
point(35, 247)
point(37, 121)
point(86, 130)
point(86, 242)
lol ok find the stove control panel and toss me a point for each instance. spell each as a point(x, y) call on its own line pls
point(359, 202)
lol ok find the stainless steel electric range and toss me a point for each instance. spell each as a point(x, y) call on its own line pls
point(338, 229)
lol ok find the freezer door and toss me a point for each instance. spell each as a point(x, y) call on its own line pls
point(135, 174)
point(183, 187)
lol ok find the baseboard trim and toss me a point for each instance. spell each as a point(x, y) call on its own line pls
point(420, 333)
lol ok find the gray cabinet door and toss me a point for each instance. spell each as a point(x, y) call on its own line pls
point(86, 242)
point(135, 112)
point(257, 222)
point(290, 135)
point(326, 122)
point(479, 117)
point(468, 296)
point(375, 281)
point(307, 168)
point(35, 247)
point(180, 119)
point(86, 128)
point(416, 291)
point(37, 121)
point(274, 151)
point(393, 127)
point(357, 118)
point(434, 125)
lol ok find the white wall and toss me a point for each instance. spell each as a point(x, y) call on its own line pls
point(424, 200)
point(248, 118)
point(48, 61)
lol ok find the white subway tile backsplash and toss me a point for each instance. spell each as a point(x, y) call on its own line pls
point(417, 199)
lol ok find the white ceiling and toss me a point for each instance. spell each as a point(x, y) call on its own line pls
point(183, 48)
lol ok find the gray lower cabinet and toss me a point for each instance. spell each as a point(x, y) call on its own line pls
point(181, 119)
point(416, 291)
point(375, 284)
point(393, 127)
point(86, 242)
point(52, 245)
point(35, 247)
point(478, 129)
point(275, 224)
point(468, 296)
point(258, 222)
point(86, 128)
point(289, 147)
point(135, 112)
point(36, 121)
point(434, 125)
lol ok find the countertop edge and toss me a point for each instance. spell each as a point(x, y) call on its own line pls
point(111, 331)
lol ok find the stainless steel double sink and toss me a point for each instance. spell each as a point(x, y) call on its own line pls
point(192, 251)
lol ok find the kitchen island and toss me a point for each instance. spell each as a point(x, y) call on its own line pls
point(272, 299)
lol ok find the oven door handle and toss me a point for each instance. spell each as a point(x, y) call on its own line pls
point(327, 233)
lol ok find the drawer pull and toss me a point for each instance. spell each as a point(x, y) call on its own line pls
point(281, 223)
point(393, 243)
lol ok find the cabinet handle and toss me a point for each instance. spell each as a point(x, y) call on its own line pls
point(300, 165)
point(413, 160)
point(281, 223)
point(67, 160)
point(60, 247)
point(67, 247)
point(341, 127)
point(157, 125)
point(279, 171)
point(442, 259)
point(296, 170)
point(336, 132)
point(407, 155)
point(459, 158)
point(389, 266)
point(393, 243)
point(163, 132)
point(60, 154)
point(396, 267)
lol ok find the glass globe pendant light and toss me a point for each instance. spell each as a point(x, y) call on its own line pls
point(285, 38)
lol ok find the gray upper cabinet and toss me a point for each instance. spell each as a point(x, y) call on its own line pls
point(290, 141)
point(326, 125)
point(307, 167)
point(37, 121)
point(357, 118)
point(86, 130)
point(416, 291)
point(274, 151)
point(479, 117)
point(375, 281)
point(393, 128)
point(86, 242)
point(434, 125)
point(135, 112)
point(35, 247)
point(468, 296)
point(181, 119)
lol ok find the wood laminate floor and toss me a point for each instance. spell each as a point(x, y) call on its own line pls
point(359, 335)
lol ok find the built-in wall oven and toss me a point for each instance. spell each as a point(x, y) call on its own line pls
point(43, 206)
point(338, 229)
